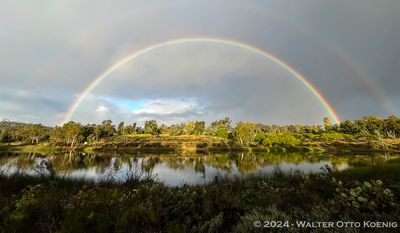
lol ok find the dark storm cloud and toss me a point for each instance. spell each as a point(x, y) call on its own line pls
point(51, 50)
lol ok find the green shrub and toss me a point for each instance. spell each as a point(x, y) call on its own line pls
point(331, 136)
point(38, 206)
point(222, 133)
point(368, 197)
point(273, 139)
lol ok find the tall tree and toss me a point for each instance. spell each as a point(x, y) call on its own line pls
point(176, 129)
point(71, 131)
point(199, 127)
point(36, 132)
point(121, 128)
point(220, 124)
point(131, 129)
point(327, 123)
point(151, 127)
point(107, 128)
point(164, 129)
point(189, 127)
point(244, 132)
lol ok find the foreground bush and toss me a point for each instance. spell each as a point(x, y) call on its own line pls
point(61, 205)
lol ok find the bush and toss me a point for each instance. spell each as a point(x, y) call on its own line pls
point(222, 133)
point(331, 136)
point(38, 210)
point(273, 139)
point(366, 198)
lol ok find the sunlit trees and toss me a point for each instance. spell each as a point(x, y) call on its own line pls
point(164, 129)
point(68, 134)
point(222, 133)
point(97, 132)
point(176, 129)
point(71, 133)
point(348, 127)
point(107, 128)
point(199, 127)
point(189, 127)
point(327, 123)
point(194, 128)
point(244, 132)
point(224, 124)
point(36, 132)
point(369, 124)
point(131, 129)
point(391, 127)
point(151, 127)
point(121, 128)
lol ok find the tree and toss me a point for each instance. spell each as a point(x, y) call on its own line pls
point(280, 139)
point(391, 127)
point(131, 129)
point(107, 128)
point(348, 127)
point(121, 128)
point(176, 130)
point(97, 132)
point(71, 131)
point(87, 131)
point(222, 133)
point(151, 127)
point(164, 129)
point(189, 127)
point(199, 127)
point(244, 132)
point(57, 135)
point(220, 124)
point(36, 132)
point(327, 123)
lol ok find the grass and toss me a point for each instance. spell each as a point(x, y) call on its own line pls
point(203, 143)
point(43, 148)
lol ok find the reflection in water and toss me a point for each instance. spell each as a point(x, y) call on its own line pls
point(179, 169)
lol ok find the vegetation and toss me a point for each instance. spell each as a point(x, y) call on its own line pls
point(48, 203)
point(368, 133)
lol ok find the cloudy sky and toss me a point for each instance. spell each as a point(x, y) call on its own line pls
point(50, 51)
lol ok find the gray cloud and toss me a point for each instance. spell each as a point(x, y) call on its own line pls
point(51, 50)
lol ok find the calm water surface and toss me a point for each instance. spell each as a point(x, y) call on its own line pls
point(175, 170)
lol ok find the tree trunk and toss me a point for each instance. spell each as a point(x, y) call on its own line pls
point(72, 143)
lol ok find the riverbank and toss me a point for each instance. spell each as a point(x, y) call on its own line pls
point(206, 144)
point(52, 204)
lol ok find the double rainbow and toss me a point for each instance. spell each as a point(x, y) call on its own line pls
point(324, 102)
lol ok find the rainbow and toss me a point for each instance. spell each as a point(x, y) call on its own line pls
point(360, 74)
point(74, 106)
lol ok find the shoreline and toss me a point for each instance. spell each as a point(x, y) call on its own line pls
point(202, 145)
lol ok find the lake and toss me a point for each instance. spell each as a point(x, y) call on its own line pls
point(177, 169)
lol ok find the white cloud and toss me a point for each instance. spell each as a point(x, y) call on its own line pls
point(168, 107)
point(102, 109)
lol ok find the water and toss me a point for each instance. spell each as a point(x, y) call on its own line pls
point(176, 170)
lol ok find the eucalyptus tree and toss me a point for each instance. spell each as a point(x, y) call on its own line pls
point(151, 127)
point(36, 132)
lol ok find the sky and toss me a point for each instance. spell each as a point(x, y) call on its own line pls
point(50, 51)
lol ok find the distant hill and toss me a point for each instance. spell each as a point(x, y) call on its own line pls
point(4, 123)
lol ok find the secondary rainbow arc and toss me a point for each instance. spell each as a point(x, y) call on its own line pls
point(296, 74)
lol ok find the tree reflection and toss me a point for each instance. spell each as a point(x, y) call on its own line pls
point(198, 164)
